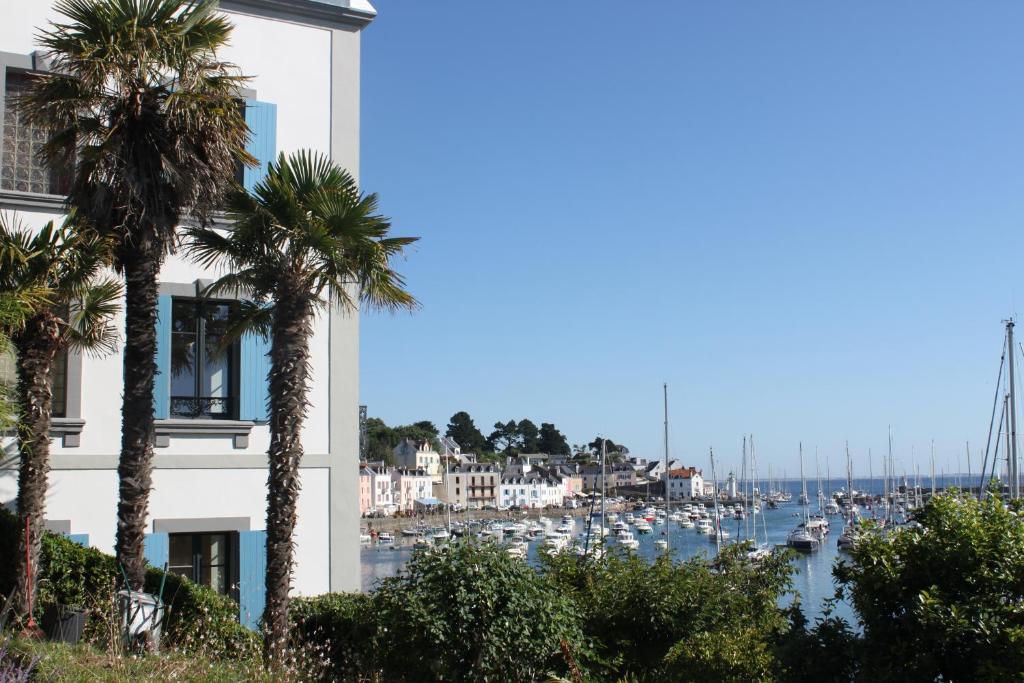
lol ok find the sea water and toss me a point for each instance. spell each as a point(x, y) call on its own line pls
point(812, 581)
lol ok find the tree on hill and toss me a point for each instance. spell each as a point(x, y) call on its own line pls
point(613, 448)
point(529, 436)
point(505, 437)
point(552, 441)
point(465, 433)
point(382, 439)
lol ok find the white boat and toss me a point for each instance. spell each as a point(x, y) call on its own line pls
point(365, 539)
point(620, 528)
point(661, 544)
point(422, 543)
point(384, 538)
point(643, 527)
point(686, 523)
point(554, 542)
point(626, 540)
point(564, 529)
point(704, 526)
point(440, 534)
point(412, 532)
point(517, 549)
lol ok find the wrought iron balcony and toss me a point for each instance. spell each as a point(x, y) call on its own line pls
point(210, 407)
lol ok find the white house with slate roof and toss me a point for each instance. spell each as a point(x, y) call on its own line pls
point(208, 503)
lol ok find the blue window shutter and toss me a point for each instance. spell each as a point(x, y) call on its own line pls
point(162, 381)
point(157, 549)
point(254, 389)
point(261, 117)
point(80, 539)
point(252, 570)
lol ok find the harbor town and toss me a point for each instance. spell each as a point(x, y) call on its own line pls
point(381, 341)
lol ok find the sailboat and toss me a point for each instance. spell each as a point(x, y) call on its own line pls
point(762, 551)
point(801, 537)
point(850, 532)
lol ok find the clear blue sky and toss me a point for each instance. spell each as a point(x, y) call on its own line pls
point(805, 217)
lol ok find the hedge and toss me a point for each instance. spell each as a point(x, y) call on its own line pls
point(198, 618)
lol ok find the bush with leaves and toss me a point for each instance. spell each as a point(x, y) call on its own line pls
point(76, 576)
point(943, 600)
point(655, 622)
point(343, 626)
point(473, 613)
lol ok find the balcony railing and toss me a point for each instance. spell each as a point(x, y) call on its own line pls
point(210, 407)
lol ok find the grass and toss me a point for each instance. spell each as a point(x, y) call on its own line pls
point(61, 663)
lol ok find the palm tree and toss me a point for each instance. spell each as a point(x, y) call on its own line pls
point(54, 281)
point(139, 103)
point(304, 240)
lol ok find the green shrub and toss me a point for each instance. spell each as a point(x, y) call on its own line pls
point(944, 600)
point(473, 613)
point(643, 617)
point(76, 576)
point(341, 626)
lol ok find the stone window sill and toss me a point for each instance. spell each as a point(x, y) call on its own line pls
point(238, 430)
point(33, 200)
point(69, 429)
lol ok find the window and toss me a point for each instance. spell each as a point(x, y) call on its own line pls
point(58, 381)
point(22, 169)
point(203, 558)
point(59, 385)
point(203, 374)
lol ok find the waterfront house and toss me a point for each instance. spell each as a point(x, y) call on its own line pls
point(534, 489)
point(473, 485)
point(419, 455)
point(209, 497)
point(685, 483)
point(656, 469)
point(408, 486)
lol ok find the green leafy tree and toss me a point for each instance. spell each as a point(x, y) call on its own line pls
point(529, 436)
point(142, 108)
point(505, 437)
point(464, 431)
point(614, 450)
point(941, 601)
point(673, 621)
point(54, 277)
point(306, 239)
point(552, 441)
point(474, 613)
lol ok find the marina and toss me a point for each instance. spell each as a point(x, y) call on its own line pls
point(685, 538)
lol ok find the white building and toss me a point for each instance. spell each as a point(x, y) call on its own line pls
point(685, 483)
point(408, 486)
point(208, 503)
point(531, 490)
point(419, 455)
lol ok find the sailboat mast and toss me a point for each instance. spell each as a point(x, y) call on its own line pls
point(933, 468)
point(803, 483)
point(746, 510)
point(718, 519)
point(1011, 454)
point(668, 499)
point(604, 487)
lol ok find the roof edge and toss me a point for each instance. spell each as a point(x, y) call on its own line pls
point(304, 11)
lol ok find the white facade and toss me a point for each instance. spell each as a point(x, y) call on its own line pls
point(531, 491)
point(408, 486)
point(210, 474)
point(419, 455)
point(685, 484)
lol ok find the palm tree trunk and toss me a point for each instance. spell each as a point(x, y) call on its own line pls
point(37, 348)
point(135, 470)
point(289, 374)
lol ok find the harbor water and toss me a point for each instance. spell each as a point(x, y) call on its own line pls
point(812, 580)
